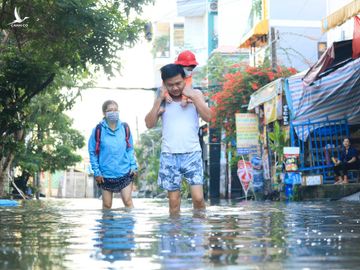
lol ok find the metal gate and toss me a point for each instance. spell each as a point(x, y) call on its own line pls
point(323, 142)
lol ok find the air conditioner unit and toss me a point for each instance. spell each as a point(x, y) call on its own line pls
point(213, 6)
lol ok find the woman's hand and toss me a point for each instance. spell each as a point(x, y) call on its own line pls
point(133, 173)
point(99, 179)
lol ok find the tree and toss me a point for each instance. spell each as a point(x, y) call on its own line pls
point(148, 153)
point(63, 39)
point(217, 66)
point(50, 141)
point(234, 97)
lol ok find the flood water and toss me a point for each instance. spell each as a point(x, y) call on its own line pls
point(77, 234)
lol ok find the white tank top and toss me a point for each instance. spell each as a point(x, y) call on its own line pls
point(180, 126)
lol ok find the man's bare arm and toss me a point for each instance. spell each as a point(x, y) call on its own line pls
point(152, 117)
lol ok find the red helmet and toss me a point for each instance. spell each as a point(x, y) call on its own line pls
point(186, 58)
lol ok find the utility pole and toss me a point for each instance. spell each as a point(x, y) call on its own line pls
point(212, 12)
point(214, 134)
point(273, 48)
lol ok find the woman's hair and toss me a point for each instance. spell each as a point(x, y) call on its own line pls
point(347, 138)
point(107, 103)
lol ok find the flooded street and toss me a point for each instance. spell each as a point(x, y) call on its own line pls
point(77, 234)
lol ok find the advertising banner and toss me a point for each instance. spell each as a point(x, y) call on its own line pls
point(245, 174)
point(247, 133)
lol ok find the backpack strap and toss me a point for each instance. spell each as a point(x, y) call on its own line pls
point(97, 138)
point(127, 134)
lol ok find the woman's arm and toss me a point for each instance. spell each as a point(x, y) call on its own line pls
point(94, 159)
point(353, 154)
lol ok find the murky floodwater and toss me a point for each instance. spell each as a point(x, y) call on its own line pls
point(77, 234)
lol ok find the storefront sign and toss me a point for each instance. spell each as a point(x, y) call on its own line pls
point(247, 133)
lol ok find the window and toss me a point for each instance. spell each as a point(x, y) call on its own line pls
point(178, 34)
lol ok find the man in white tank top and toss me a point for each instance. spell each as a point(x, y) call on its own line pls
point(180, 148)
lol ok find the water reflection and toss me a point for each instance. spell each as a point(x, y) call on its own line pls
point(32, 237)
point(78, 234)
point(115, 236)
point(183, 242)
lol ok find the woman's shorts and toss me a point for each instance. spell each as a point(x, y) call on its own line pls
point(116, 184)
point(173, 167)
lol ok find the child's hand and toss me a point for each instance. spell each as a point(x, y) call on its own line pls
point(163, 92)
point(168, 98)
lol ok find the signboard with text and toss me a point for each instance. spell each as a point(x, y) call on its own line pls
point(247, 133)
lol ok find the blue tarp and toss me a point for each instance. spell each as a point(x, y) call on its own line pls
point(334, 96)
point(4, 202)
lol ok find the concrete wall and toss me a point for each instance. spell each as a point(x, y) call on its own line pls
point(191, 8)
point(297, 46)
point(344, 31)
point(296, 10)
point(75, 185)
point(232, 19)
point(196, 37)
point(298, 24)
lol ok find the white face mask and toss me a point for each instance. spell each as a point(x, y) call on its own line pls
point(188, 73)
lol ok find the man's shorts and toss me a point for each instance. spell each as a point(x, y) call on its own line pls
point(173, 167)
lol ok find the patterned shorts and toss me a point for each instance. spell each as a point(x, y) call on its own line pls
point(175, 166)
point(116, 184)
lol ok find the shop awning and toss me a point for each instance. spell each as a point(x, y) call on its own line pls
point(341, 15)
point(265, 93)
point(255, 35)
point(334, 96)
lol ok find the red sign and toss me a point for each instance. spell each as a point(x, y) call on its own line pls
point(245, 174)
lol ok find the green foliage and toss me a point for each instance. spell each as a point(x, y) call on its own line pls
point(215, 69)
point(161, 45)
point(77, 36)
point(50, 141)
point(148, 154)
point(278, 140)
point(64, 42)
point(255, 14)
point(239, 83)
